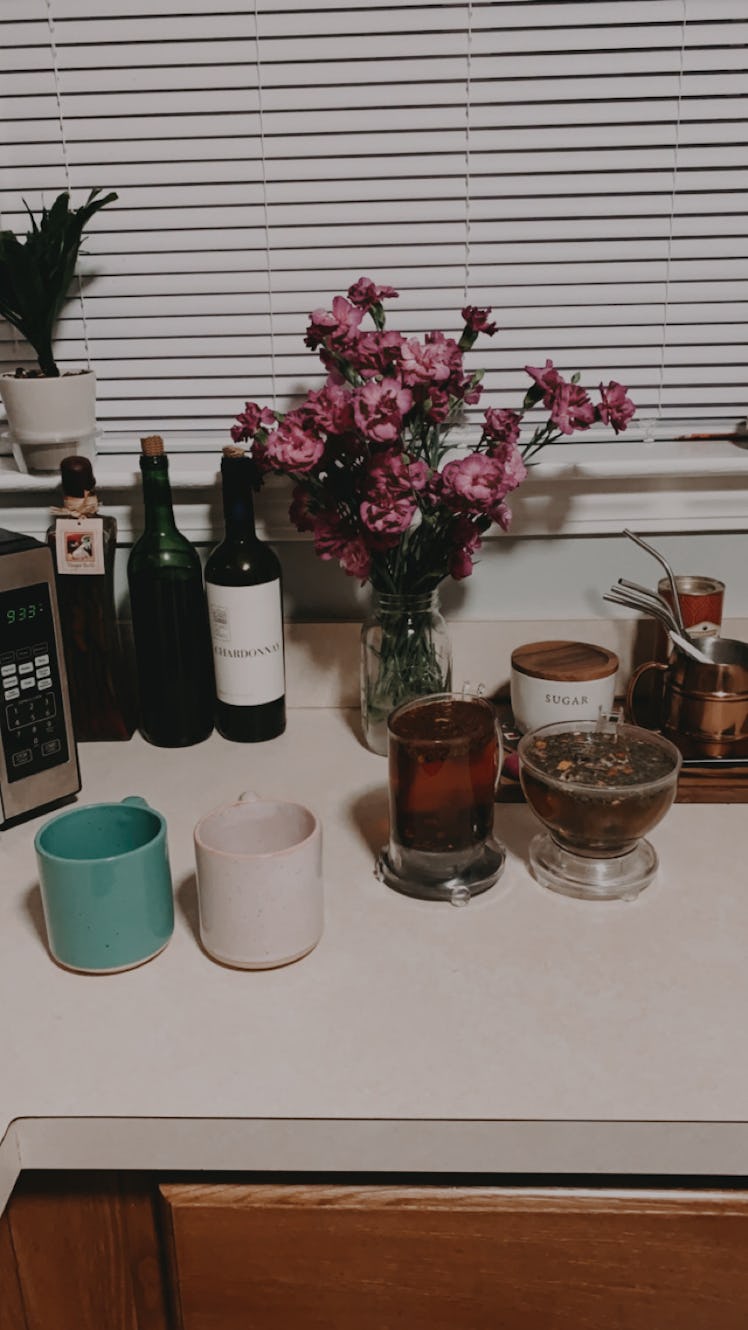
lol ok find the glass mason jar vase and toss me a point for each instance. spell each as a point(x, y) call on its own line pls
point(405, 653)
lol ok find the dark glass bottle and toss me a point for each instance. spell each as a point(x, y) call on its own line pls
point(169, 618)
point(83, 543)
point(243, 585)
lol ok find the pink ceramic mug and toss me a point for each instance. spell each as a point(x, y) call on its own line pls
point(259, 882)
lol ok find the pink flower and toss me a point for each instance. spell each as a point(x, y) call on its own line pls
point(333, 540)
point(418, 475)
point(299, 511)
point(467, 542)
point(436, 360)
point(379, 408)
point(355, 559)
point(570, 407)
point(348, 318)
point(419, 365)
point(252, 418)
point(337, 329)
point(502, 514)
point(460, 565)
point(546, 378)
point(436, 405)
point(477, 320)
point(615, 407)
point(471, 395)
point(331, 409)
point(328, 540)
point(376, 353)
point(331, 535)
point(474, 482)
point(291, 448)
point(365, 293)
point(321, 324)
point(513, 467)
point(387, 515)
point(392, 473)
point(503, 426)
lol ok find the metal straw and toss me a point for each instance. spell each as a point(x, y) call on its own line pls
point(654, 601)
point(638, 603)
point(634, 602)
point(671, 577)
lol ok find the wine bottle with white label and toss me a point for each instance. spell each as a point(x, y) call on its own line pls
point(245, 607)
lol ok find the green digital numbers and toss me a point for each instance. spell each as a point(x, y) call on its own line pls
point(23, 613)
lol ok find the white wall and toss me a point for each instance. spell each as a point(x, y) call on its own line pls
point(533, 578)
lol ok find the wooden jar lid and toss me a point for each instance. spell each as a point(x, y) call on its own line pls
point(564, 662)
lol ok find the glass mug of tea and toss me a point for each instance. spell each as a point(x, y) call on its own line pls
point(444, 762)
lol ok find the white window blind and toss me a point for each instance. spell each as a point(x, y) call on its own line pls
point(580, 167)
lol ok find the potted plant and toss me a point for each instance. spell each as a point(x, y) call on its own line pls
point(49, 413)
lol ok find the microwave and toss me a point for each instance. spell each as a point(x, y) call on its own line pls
point(38, 754)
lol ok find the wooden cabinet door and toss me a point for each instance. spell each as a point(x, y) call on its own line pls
point(81, 1253)
point(287, 1257)
point(11, 1303)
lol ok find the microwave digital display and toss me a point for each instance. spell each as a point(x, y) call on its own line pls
point(19, 609)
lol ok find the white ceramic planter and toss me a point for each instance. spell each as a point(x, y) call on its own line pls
point(49, 419)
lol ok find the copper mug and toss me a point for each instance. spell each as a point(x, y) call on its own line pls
point(702, 707)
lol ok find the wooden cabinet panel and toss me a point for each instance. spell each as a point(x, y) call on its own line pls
point(86, 1253)
point(422, 1258)
point(11, 1304)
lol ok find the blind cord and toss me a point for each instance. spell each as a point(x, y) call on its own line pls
point(66, 164)
point(468, 182)
point(671, 220)
point(265, 207)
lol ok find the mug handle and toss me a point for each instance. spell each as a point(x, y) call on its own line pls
point(634, 682)
point(137, 800)
point(249, 797)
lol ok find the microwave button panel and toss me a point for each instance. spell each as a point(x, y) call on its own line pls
point(32, 721)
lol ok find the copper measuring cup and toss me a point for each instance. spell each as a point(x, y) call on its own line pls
point(703, 707)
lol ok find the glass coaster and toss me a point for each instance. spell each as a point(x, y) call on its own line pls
point(622, 877)
point(418, 877)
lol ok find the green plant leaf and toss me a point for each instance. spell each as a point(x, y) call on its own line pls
point(36, 273)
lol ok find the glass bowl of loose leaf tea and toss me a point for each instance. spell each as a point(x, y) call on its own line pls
point(598, 787)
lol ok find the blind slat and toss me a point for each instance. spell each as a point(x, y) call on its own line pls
point(507, 11)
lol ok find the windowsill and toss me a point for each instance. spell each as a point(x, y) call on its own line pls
point(574, 489)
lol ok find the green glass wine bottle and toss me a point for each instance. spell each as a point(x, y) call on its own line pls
point(169, 618)
point(243, 585)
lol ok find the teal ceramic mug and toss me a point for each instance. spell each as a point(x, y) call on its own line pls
point(106, 885)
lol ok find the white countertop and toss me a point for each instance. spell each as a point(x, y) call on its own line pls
point(526, 1032)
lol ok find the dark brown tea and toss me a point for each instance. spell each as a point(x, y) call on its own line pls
point(598, 792)
point(443, 767)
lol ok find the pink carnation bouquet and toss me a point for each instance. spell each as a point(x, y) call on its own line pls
point(374, 481)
